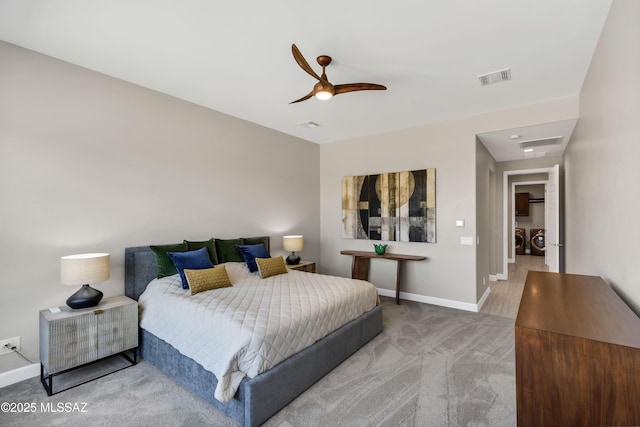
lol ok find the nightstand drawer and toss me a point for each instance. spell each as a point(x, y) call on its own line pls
point(68, 342)
point(117, 330)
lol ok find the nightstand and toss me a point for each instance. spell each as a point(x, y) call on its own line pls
point(308, 266)
point(71, 339)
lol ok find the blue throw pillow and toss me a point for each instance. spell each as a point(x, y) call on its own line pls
point(191, 260)
point(251, 252)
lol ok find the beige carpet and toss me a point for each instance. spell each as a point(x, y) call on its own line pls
point(432, 366)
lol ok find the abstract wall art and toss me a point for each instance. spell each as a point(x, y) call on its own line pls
point(396, 206)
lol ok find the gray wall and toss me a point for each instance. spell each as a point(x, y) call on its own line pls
point(450, 272)
point(601, 162)
point(91, 163)
point(486, 207)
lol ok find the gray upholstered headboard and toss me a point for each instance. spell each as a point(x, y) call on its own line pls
point(140, 268)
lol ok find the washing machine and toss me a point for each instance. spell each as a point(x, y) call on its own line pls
point(520, 240)
point(537, 241)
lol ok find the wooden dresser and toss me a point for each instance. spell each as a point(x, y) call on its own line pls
point(577, 350)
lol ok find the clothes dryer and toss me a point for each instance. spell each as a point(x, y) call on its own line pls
point(537, 241)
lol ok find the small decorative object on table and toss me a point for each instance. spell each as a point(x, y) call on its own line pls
point(380, 249)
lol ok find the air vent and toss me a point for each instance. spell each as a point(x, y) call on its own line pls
point(542, 142)
point(309, 124)
point(495, 77)
point(535, 154)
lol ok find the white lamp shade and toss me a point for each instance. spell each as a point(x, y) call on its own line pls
point(293, 243)
point(84, 269)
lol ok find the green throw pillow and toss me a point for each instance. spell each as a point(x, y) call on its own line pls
point(166, 267)
point(227, 251)
point(209, 244)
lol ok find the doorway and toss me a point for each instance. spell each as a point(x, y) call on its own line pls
point(551, 221)
point(532, 219)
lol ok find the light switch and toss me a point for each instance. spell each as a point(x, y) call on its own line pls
point(466, 240)
point(460, 223)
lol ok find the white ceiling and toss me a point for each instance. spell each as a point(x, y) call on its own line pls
point(504, 144)
point(235, 57)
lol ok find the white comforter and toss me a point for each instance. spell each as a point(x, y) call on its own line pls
point(246, 329)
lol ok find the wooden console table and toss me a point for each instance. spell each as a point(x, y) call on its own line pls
point(361, 261)
point(577, 353)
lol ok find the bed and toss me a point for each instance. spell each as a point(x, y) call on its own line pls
point(260, 397)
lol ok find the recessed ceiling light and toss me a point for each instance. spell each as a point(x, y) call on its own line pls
point(528, 150)
point(515, 136)
point(309, 124)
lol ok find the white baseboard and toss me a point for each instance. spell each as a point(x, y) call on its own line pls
point(431, 300)
point(493, 277)
point(502, 276)
point(19, 374)
point(483, 299)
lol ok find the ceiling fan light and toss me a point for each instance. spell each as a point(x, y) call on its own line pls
point(324, 95)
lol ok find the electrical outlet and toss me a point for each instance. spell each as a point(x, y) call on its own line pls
point(13, 342)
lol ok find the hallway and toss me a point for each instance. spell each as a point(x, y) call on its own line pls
point(505, 295)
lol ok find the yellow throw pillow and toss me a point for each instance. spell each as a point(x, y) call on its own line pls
point(271, 266)
point(206, 279)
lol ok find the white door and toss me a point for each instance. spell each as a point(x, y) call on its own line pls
point(552, 221)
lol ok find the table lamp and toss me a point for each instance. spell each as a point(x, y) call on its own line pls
point(293, 244)
point(84, 269)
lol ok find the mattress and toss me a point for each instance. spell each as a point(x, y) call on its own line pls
point(250, 327)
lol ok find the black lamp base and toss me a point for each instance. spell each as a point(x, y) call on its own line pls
point(293, 259)
point(85, 297)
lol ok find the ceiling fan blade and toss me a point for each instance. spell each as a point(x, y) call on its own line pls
point(304, 98)
point(352, 87)
point(303, 62)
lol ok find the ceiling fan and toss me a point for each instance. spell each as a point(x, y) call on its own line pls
point(323, 89)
